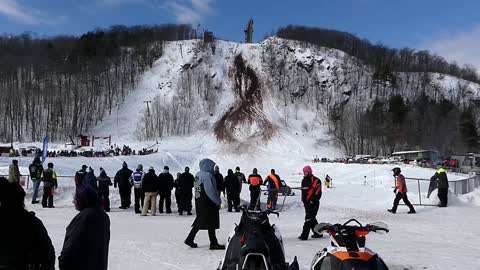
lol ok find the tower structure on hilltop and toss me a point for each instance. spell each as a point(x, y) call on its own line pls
point(249, 32)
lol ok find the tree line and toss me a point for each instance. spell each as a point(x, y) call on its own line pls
point(378, 56)
point(64, 85)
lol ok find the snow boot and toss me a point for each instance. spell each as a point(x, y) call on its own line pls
point(189, 213)
point(189, 242)
point(391, 211)
point(217, 246)
point(303, 238)
point(317, 235)
point(411, 212)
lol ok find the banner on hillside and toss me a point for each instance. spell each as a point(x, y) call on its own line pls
point(44, 148)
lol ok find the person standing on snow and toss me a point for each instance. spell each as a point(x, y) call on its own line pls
point(87, 237)
point(207, 205)
point(177, 190)
point(232, 186)
point(14, 172)
point(441, 180)
point(90, 179)
point(273, 186)
point(311, 194)
point(80, 176)
point(104, 183)
point(122, 180)
point(49, 179)
point(240, 176)
point(254, 180)
point(401, 192)
point(165, 190)
point(219, 178)
point(136, 182)
point(186, 183)
point(35, 169)
point(150, 185)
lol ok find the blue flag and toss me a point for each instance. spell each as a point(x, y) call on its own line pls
point(45, 148)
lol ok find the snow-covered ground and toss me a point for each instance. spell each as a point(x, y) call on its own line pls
point(434, 238)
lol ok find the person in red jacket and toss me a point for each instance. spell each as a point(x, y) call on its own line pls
point(401, 191)
point(311, 194)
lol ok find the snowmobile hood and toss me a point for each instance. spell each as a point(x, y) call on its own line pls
point(207, 165)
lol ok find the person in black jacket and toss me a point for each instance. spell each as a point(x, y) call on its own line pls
point(232, 186)
point(185, 184)
point(165, 190)
point(219, 177)
point(177, 190)
point(80, 175)
point(87, 236)
point(207, 205)
point(441, 180)
point(49, 179)
point(254, 180)
point(104, 183)
point(122, 180)
point(24, 241)
point(311, 194)
point(150, 185)
point(90, 179)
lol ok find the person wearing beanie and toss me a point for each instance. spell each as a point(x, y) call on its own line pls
point(49, 179)
point(219, 178)
point(80, 176)
point(136, 182)
point(104, 183)
point(311, 194)
point(122, 181)
point(165, 190)
point(150, 186)
point(87, 237)
point(185, 183)
point(254, 180)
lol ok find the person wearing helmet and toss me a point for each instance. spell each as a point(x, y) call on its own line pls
point(185, 184)
point(254, 180)
point(311, 194)
point(440, 181)
point(136, 181)
point(49, 179)
point(35, 170)
point(401, 191)
point(80, 176)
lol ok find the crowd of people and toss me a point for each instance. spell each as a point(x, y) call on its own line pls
point(91, 199)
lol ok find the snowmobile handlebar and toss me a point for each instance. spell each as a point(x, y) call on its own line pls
point(377, 227)
point(265, 212)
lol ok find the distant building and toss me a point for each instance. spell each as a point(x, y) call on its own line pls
point(420, 155)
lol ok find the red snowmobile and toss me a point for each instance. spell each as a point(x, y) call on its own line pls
point(347, 250)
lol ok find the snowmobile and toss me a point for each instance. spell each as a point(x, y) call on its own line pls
point(256, 244)
point(347, 250)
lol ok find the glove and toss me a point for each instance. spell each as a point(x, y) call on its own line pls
point(395, 191)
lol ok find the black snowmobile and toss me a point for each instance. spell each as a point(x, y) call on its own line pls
point(347, 250)
point(255, 244)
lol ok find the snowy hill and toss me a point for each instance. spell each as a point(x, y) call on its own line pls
point(248, 95)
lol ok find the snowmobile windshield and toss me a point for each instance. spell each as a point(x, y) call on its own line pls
point(332, 263)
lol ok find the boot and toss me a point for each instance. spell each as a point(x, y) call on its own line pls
point(317, 235)
point(189, 242)
point(391, 211)
point(180, 213)
point(189, 213)
point(412, 211)
point(216, 246)
point(237, 209)
point(303, 237)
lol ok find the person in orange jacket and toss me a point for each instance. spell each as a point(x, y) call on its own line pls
point(273, 186)
point(401, 191)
